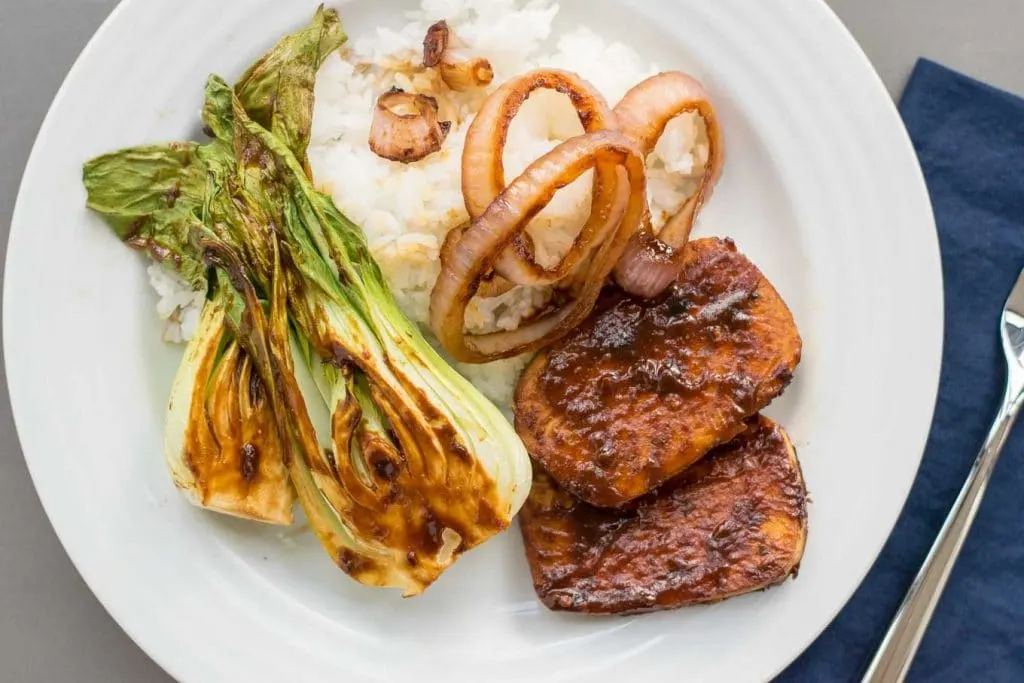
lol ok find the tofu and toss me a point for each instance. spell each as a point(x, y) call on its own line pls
point(733, 523)
point(645, 388)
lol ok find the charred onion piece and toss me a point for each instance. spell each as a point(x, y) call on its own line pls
point(491, 284)
point(652, 262)
point(483, 172)
point(485, 139)
point(459, 69)
point(475, 252)
point(405, 126)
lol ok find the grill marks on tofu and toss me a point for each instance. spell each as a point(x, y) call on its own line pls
point(733, 523)
point(645, 388)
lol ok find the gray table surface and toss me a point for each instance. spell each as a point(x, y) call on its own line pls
point(51, 626)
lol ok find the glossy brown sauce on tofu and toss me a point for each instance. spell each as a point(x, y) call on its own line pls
point(644, 388)
point(733, 523)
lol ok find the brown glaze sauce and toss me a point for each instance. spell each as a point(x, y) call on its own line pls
point(231, 443)
point(643, 388)
point(653, 347)
point(733, 523)
point(426, 500)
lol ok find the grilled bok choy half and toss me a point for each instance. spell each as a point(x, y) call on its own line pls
point(304, 379)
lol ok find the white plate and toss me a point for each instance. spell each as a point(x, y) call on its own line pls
point(821, 189)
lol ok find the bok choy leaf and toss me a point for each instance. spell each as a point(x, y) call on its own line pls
point(413, 466)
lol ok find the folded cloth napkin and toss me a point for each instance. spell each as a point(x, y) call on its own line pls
point(970, 141)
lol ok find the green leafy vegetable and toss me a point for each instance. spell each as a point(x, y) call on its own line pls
point(294, 57)
point(412, 466)
point(151, 197)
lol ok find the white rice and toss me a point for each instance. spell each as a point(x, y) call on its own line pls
point(179, 307)
point(407, 209)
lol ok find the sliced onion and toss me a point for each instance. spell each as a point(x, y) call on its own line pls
point(475, 252)
point(483, 171)
point(645, 111)
point(491, 284)
point(648, 266)
point(460, 70)
point(652, 262)
point(405, 127)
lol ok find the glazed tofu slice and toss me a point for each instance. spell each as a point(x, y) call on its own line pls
point(645, 388)
point(733, 523)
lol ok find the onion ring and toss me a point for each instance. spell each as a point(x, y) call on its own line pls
point(652, 262)
point(479, 246)
point(491, 284)
point(459, 70)
point(483, 171)
point(405, 126)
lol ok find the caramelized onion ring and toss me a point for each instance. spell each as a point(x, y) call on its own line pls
point(459, 69)
point(405, 126)
point(478, 247)
point(651, 263)
point(491, 284)
point(645, 111)
point(483, 170)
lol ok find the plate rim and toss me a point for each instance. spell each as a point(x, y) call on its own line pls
point(894, 114)
point(90, 574)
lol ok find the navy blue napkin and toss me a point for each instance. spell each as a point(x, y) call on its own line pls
point(970, 140)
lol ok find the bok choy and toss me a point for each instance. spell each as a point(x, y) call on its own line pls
point(412, 466)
